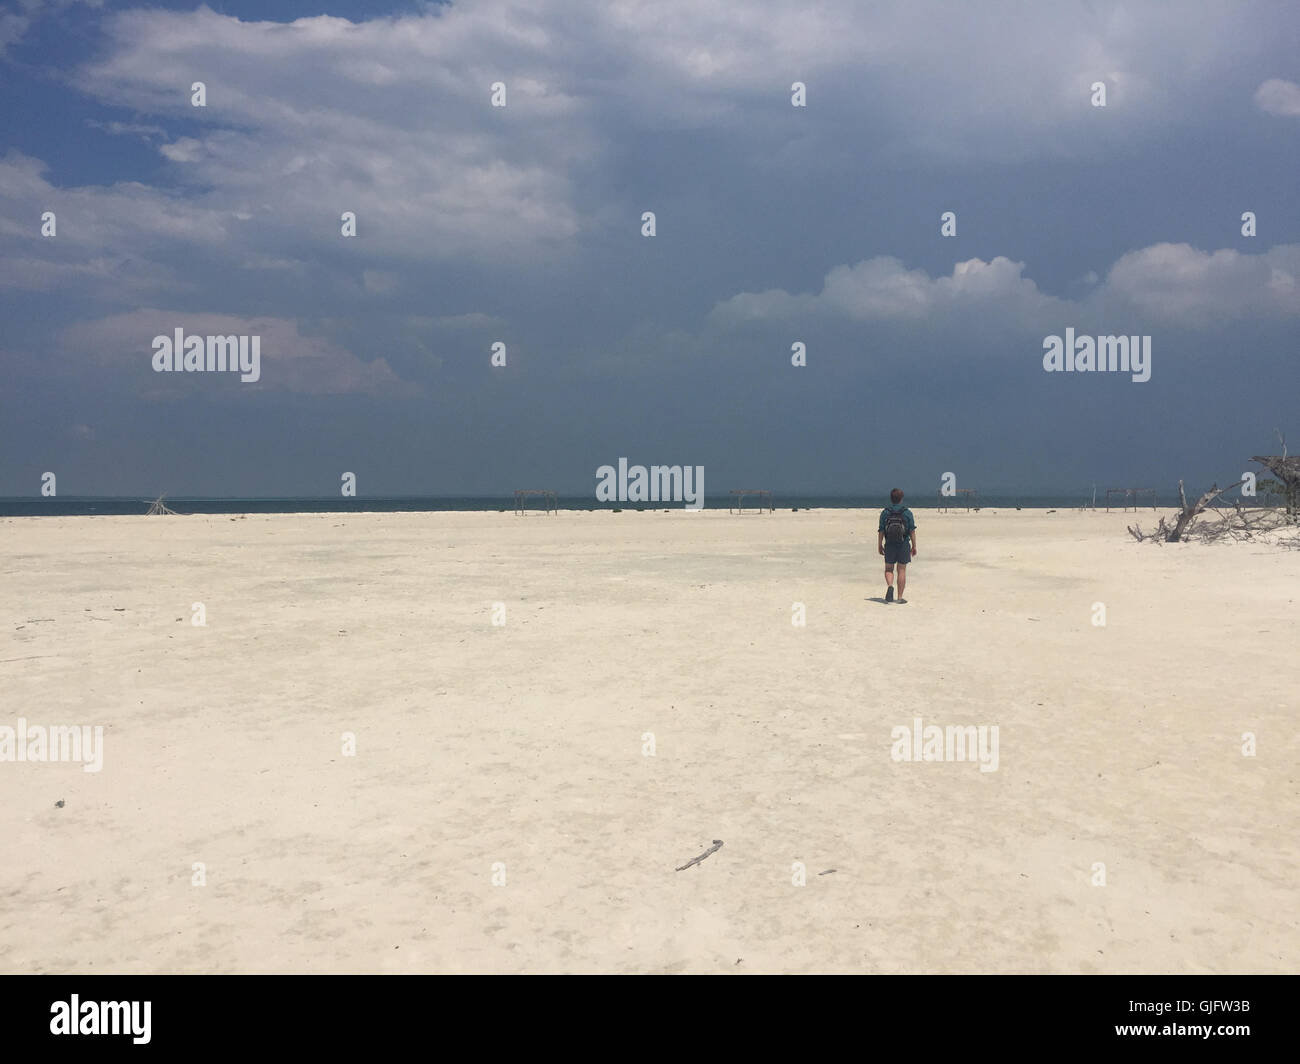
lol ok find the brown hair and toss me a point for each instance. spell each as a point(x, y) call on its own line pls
point(896, 496)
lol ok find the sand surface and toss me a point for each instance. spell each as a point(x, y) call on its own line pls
point(522, 746)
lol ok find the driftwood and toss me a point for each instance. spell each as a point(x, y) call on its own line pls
point(1186, 516)
point(1237, 524)
point(1240, 524)
point(717, 845)
point(1189, 512)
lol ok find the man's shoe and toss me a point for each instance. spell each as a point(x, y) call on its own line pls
point(889, 594)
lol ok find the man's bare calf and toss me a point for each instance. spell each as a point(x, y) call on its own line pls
point(902, 580)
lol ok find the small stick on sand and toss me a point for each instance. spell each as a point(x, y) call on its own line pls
point(717, 845)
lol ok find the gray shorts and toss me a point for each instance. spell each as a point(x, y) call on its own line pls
point(898, 553)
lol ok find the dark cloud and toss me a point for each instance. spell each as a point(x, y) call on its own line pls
point(775, 224)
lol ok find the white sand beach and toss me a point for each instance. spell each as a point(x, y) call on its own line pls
point(486, 750)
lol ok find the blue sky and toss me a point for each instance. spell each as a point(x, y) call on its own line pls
point(521, 224)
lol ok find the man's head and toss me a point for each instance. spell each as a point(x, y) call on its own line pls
point(896, 496)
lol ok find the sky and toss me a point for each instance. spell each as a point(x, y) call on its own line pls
point(522, 225)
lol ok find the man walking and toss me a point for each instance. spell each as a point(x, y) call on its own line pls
point(897, 527)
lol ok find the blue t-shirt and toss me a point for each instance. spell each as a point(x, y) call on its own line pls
point(907, 516)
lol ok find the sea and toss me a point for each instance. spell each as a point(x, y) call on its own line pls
point(102, 506)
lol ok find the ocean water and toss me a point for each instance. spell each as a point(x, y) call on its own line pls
point(79, 506)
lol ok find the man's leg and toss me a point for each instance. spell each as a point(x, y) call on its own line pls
point(889, 581)
point(902, 579)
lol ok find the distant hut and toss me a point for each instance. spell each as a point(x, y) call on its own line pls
point(1287, 470)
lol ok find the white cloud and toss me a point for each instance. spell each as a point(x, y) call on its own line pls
point(12, 28)
point(185, 150)
point(1179, 284)
point(118, 129)
point(290, 361)
point(390, 117)
point(122, 276)
point(113, 217)
point(884, 289)
point(994, 306)
point(1278, 97)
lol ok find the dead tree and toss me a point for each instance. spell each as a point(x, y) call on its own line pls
point(1287, 470)
point(1185, 517)
point(1238, 524)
